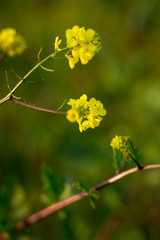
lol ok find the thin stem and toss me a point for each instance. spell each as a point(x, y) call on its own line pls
point(7, 97)
point(59, 205)
point(35, 107)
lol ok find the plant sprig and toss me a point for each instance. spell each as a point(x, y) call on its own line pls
point(52, 55)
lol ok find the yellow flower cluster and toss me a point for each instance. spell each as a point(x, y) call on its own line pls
point(116, 142)
point(88, 114)
point(120, 143)
point(11, 43)
point(82, 44)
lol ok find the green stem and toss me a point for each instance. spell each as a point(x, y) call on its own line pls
point(8, 96)
point(35, 107)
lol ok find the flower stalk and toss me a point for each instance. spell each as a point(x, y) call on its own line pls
point(8, 96)
point(13, 99)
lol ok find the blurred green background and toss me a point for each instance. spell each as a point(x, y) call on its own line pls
point(125, 76)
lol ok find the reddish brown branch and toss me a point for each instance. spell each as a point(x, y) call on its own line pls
point(57, 206)
point(13, 99)
point(49, 210)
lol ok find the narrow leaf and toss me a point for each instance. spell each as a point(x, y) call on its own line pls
point(93, 195)
point(117, 160)
point(84, 187)
point(134, 154)
point(92, 201)
point(81, 186)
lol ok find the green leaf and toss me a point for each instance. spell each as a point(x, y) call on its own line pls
point(117, 160)
point(84, 187)
point(134, 154)
point(93, 196)
point(52, 185)
point(92, 201)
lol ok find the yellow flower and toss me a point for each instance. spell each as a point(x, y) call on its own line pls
point(90, 33)
point(11, 43)
point(96, 107)
point(116, 142)
point(72, 115)
point(57, 43)
point(85, 55)
point(72, 35)
point(83, 44)
point(88, 114)
point(72, 60)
